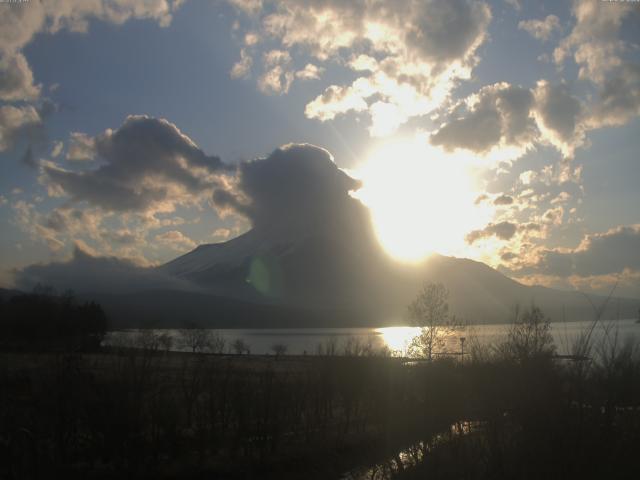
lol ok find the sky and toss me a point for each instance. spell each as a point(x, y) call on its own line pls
point(504, 131)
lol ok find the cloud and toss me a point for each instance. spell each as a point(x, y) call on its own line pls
point(600, 262)
point(123, 236)
point(16, 122)
point(81, 147)
point(147, 165)
point(175, 240)
point(278, 74)
point(541, 29)
point(309, 72)
point(248, 6)
point(502, 230)
point(504, 121)
point(596, 46)
point(503, 200)
point(337, 100)
point(85, 273)
point(415, 51)
point(514, 3)
point(598, 254)
point(242, 68)
point(559, 114)
point(296, 185)
point(297, 189)
point(619, 98)
point(20, 22)
point(594, 40)
point(222, 234)
point(552, 113)
point(56, 150)
point(498, 118)
point(36, 226)
point(16, 79)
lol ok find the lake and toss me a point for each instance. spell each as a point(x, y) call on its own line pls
point(300, 341)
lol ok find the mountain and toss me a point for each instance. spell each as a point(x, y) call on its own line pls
point(336, 274)
point(311, 258)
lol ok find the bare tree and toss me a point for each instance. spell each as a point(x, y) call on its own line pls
point(217, 343)
point(166, 341)
point(239, 346)
point(328, 348)
point(197, 339)
point(529, 336)
point(430, 311)
point(353, 347)
point(279, 349)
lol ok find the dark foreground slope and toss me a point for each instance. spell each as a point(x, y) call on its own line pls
point(145, 413)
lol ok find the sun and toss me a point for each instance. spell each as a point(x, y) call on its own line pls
point(422, 200)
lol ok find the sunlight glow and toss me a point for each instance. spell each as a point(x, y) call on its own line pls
point(398, 339)
point(422, 199)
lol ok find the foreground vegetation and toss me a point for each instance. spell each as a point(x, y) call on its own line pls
point(510, 411)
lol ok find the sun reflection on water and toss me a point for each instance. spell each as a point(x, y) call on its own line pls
point(398, 339)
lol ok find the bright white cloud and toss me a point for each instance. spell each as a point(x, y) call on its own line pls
point(409, 55)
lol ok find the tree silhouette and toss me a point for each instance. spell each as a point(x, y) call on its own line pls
point(430, 312)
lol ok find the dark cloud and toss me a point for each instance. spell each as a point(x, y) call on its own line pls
point(504, 115)
point(296, 189)
point(296, 183)
point(478, 132)
point(598, 254)
point(559, 114)
point(503, 200)
point(502, 230)
point(147, 163)
point(448, 30)
point(499, 116)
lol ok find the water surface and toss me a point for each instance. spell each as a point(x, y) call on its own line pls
point(311, 341)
